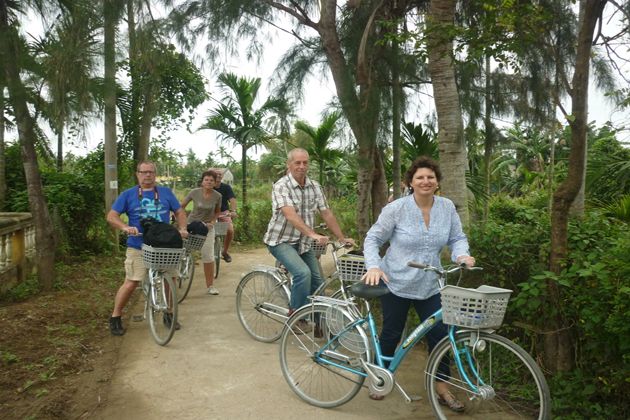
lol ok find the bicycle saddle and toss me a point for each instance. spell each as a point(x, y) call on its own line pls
point(362, 290)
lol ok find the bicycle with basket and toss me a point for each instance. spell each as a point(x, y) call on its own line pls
point(495, 377)
point(187, 265)
point(263, 294)
point(160, 291)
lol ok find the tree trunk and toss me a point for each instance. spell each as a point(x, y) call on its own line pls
point(452, 149)
point(133, 128)
point(3, 180)
point(60, 148)
point(397, 102)
point(111, 160)
point(558, 346)
point(244, 168)
point(362, 113)
point(489, 138)
point(145, 130)
point(44, 230)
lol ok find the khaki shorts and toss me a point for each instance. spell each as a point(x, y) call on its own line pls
point(207, 250)
point(135, 270)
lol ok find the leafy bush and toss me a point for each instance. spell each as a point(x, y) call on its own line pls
point(251, 224)
point(513, 247)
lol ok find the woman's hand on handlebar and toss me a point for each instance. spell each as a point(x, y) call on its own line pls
point(466, 259)
point(373, 277)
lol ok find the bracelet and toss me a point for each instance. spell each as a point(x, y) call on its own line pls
point(182, 228)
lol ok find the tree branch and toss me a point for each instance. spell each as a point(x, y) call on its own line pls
point(302, 18)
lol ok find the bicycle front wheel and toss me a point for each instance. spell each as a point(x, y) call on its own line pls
point(162, 308)
point(262, 303)
point(218, 246)
point(515, 387)
point(186, 275)
point(333, 377)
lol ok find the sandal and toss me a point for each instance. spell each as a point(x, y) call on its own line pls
point(376, 397)
point(453, 403)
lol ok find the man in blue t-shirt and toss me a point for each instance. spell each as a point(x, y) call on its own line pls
point(139, 202)
point(228, 200)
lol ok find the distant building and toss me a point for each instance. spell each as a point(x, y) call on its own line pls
point(228, 176)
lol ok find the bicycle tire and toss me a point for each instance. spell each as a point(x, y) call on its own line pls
point(521, 391)
point(187, 274)
point(218, 245)
point(161, 294)
point(262, 301)
point(315, 381)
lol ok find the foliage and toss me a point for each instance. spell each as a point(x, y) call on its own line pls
point(513, 248)
point(237, 120)
point(253, 218)
point(320, 152)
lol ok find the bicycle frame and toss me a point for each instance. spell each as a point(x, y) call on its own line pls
point(410, 341)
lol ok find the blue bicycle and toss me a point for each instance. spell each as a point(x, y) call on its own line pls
point(495, 377)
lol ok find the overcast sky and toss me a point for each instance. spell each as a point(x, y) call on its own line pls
point(318, 94)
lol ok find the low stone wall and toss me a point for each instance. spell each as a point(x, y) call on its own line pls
point(17, 249)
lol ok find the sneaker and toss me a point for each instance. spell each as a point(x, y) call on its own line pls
point(301, 327)
point(212, 291)
point(168, 319)
point(115, 326)
point(227, 257)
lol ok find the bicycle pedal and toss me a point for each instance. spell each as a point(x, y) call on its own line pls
point(137, 318)
point(415, 398)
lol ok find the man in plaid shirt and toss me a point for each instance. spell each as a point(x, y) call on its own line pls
point(295, 201)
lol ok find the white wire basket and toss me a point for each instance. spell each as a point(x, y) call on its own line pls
point(220, 228)
point(483, 307)
point(319, 249)
point(339, 315)
point(351, 267)
point(161, 258)
point(194, 242)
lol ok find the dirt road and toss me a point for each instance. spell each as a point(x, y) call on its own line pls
point(212, 369)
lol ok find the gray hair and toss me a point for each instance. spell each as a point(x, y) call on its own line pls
point(297, 149)
point(146, 162)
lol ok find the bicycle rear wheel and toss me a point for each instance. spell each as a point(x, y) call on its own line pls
point(313, 378)
point(262, 303)
point(162, 299)
point(187, 273)
point(519, 387)
point(218, 247)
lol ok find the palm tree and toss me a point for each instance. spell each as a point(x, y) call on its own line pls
point(237, 120)
point(319, 151)
point(68, 55)
point(13, 54)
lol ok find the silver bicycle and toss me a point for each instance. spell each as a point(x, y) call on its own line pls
point(263, 294)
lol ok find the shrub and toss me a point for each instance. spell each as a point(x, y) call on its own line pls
point(513, 247)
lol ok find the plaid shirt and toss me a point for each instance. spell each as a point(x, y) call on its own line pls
point(306, 201)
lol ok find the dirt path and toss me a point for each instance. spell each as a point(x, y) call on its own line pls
point(212, 369)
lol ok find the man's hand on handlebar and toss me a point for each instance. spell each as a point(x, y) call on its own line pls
point(130, 230)
point(321, 240)
point(347, 242)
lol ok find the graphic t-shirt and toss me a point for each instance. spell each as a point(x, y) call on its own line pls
point(139, 207)
point(204, 208)
point(227, 193)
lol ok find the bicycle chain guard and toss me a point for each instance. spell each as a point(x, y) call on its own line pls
point(381, 380)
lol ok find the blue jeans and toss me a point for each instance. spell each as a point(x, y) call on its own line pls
point(395, 309)
point(304, 268)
